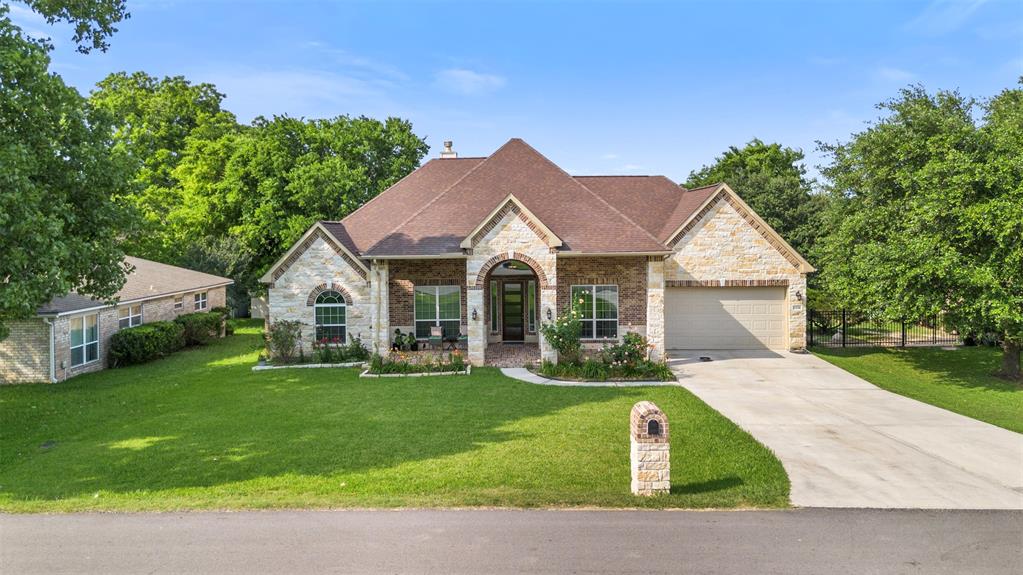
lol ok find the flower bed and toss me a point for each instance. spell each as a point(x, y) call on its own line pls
point(401, 363)
point(266, 366)
point(595, 370)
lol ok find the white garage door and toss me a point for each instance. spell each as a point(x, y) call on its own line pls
point(725, 318)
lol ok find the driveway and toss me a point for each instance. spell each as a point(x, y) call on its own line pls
point(847, 443)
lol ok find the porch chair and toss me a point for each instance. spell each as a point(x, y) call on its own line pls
point(436, 337)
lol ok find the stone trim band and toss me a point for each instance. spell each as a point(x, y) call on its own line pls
point(332, 287)
point(481, 277)
point(726, 283)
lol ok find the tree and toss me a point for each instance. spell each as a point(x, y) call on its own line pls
point(58, 225)
point(772, 180)
point(93, 19)
point(154, 118)
point(927, 214)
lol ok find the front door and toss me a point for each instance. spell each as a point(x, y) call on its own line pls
point(512, 301)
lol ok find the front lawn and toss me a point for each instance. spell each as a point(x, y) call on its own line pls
point(959, 381)
point(200, 430)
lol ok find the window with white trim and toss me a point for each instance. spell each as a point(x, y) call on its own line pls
point(179, 302)
point(494, 295)
point(200, 301)
point(84, 339)
point(438, 306)
point(331, 317)
point(599, 307)
point(531, 296)
point(129, 316)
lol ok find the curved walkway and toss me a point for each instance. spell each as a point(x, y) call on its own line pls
point(847, 443)
point(523, 374)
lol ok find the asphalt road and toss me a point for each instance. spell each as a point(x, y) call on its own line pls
point(492, 541)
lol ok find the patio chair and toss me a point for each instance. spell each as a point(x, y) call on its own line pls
point(436, 337)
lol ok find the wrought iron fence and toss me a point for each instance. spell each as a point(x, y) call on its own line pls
point(844, 328)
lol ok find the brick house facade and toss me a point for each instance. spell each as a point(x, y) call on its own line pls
point(680, 267)
point(40, 349)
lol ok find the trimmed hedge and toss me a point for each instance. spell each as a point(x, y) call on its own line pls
point(202, 327)
point(145, 343)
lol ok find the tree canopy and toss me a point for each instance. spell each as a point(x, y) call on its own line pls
point(772, 179)
point(926, 214)
point(59, 225)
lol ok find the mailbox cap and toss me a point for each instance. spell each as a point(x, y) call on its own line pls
point(642, 413)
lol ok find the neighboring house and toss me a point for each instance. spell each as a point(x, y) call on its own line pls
point(491, 247)
point(70, 334)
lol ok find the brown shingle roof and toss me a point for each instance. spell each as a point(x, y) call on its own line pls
point(433, 209)
point(147, 280)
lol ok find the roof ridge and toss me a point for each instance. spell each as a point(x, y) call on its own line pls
point(596, 195)
point(437, 197)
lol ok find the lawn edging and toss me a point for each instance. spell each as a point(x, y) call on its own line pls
point(308, 365)
point(466, 371)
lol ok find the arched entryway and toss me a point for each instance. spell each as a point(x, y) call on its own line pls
point(511, 295)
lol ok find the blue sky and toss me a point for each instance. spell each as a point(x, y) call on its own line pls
point(600, 88)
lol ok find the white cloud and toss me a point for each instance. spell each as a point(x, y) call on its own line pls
point(892, 74)
point(609, 156)
point(943, 16)
point(631, 168)
point(468, 82)
point(356, 64)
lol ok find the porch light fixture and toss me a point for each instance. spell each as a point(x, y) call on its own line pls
point(550, 315)
point(475, 314)
point(799, 295)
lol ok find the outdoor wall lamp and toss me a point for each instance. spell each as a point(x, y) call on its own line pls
point(475, 314)
point(799, 295)
point(550, 315)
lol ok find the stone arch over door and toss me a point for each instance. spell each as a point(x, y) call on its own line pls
point(315, 293)
point(541, 277)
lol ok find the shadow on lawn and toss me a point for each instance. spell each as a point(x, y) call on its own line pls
point(204, 419)
point(971, 367)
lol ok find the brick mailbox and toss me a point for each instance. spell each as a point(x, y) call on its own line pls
point(651, 463)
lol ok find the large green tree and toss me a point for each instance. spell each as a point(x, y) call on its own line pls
point(927, 214)
point(58, 224)
point(772, 179)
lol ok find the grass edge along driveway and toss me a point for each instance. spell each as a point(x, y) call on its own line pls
point(200, 430)
point(959, 380)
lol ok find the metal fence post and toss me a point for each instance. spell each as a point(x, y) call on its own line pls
point(903, 333)
point(843, 327)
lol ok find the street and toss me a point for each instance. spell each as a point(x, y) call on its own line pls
point(509, 541)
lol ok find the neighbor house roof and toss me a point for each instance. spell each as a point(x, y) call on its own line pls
point(147, 280)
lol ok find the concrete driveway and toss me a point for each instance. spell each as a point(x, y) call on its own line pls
point(847, 443)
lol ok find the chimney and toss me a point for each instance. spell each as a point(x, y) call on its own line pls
point(448, 152)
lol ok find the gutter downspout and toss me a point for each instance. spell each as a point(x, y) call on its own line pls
point(53, 368)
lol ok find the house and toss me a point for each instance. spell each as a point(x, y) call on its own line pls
point(69, 335)
point(491, 247)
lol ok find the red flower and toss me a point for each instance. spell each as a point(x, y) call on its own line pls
point(337, 340)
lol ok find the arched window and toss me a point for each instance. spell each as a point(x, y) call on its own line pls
point(330, 316)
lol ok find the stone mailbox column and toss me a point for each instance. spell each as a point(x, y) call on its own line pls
point(651, 463)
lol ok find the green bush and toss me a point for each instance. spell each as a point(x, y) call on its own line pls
point(145, 343)
point(283, 340)
point(201, 328)
point(592, 370)
point(563, 334)
point(628, 353)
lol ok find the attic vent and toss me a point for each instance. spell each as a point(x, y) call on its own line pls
point(448, 152)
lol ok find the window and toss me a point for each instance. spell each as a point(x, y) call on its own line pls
point(200, 301)
point(179, 302)
point(599, 306)
point(84, 339)
point(129, 316)
point(531, 296)
point(438, 305)
point(494, 298)
point(330, 316)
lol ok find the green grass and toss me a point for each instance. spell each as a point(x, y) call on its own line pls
point(200, 430)
point(959, 380)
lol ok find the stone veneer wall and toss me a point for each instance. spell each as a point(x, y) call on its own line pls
point(26, 353)
point(404, 275)
point(509, 238)
point(319, 264)
point(629, 273)
point(723, 249)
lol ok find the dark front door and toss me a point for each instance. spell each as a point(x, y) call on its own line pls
point(512, 302)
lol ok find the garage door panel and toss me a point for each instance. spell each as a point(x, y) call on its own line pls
point(725, 318)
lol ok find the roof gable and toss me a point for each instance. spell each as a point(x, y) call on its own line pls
point(511, 205)
point(316, 231)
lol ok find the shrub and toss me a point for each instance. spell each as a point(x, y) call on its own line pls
point(629, 352)
point(282, 340)
point(404, 363)
point(592, 370)
point(563, 334)
point(145, 343)
point(201, 328)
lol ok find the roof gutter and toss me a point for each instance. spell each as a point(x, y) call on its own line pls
point(448, 256)
point(133, 300)
point(612, 254)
